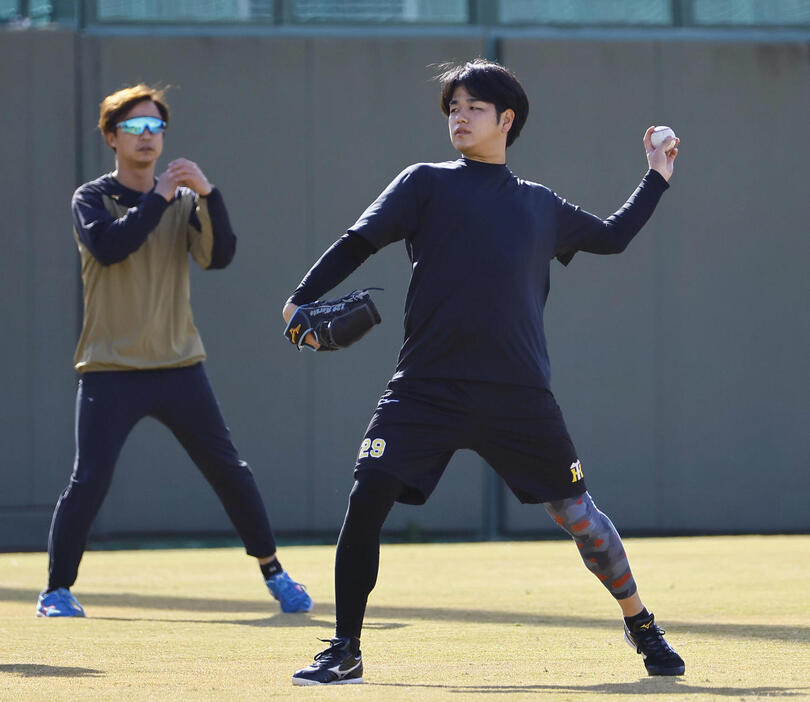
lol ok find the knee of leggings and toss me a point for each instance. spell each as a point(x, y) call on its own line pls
point(227, 474)
point(373, 492)
point(575, 515)
point(87, 491)
point(581, 519)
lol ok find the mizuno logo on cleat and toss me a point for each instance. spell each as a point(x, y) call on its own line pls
point(342, 672)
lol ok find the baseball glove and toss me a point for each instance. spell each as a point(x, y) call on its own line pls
point(336, 324)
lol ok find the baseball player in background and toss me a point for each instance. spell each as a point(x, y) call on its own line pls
point(139, 353)
point(473, 370)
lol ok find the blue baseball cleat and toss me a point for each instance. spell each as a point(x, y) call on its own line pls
point(58, 603)
point(292, 595)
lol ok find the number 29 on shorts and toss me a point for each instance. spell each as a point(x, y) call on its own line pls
point(371, 447)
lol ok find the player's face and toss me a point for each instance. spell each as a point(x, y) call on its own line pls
point(475, 129)
point(137, 150)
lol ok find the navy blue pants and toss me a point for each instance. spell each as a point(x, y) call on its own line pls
point(108, 405)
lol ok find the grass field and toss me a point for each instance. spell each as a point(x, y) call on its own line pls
point(480, 621)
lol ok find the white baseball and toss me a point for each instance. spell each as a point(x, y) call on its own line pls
point(661, 135)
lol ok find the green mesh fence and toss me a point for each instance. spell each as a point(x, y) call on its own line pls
point(422, 11)
point(585, 12)
point(621, 13)
point(752, 12)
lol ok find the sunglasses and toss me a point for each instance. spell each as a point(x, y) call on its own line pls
point(138, 125)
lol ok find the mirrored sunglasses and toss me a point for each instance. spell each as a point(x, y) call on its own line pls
point(138, 125)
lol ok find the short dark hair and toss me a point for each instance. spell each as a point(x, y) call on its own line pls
point(115, 106)
point(490, 82)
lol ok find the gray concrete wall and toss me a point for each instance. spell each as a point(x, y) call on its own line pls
point(39, 287)
point(681, 365)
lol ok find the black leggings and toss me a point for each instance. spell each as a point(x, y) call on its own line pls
point(358, 550)
point(108, 405)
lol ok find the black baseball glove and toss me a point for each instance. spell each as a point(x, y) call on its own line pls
point(336, 324)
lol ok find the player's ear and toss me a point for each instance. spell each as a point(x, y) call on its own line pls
point(507, 119)
point(109, 137)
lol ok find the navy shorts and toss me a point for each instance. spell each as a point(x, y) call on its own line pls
point(519, 431)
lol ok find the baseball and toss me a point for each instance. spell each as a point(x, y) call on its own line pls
point(661, 135)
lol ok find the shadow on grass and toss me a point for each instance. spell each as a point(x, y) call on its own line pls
point(278, 620)
point(380, 617)
point(34, 670)
point(645, 686)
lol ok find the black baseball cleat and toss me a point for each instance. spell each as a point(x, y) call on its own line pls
point(340, 663)
point(648, 640)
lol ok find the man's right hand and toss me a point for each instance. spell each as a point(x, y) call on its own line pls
point(659, 159)
point(167, 184)
point(287, 313)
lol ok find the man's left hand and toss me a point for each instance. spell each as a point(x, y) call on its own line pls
point(190, 174)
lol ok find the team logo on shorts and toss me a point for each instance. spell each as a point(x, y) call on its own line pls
point(576, 471)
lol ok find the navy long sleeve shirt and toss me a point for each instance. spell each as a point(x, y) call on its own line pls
point(481, 241)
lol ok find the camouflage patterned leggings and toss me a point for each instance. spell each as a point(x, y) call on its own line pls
point(598, 541)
